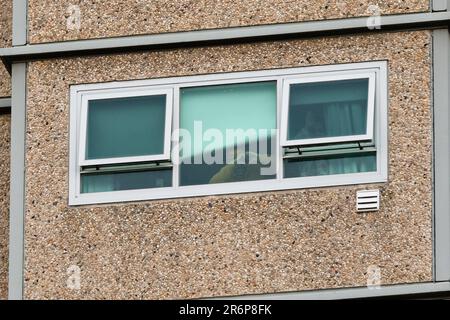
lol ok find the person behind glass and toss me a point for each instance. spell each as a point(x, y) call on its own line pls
point(313, 127)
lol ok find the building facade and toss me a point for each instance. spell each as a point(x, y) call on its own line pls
point(101, 198)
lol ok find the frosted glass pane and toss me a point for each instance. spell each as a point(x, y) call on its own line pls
point(249, 106)
point(328, 109)
point(105, 182)
point(330, 165)
point(126, 127)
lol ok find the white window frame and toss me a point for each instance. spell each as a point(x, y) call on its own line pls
point(380, 138)
point(90, 96)
point(368, 136)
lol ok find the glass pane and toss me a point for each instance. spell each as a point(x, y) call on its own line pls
point(227, 132)
point(126, 127)
point(330, 165)
point(105, 182)
point(328, 109)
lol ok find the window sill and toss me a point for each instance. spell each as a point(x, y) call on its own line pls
point(228, 188)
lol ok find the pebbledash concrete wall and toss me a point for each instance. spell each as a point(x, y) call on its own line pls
point(5, 41)
point(5, 82)
point(51, 21)
point(227, 245)
point(5, 122)
point(5, 119)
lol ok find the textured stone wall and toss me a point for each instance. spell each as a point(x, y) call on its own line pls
point(5, 23)
point(230, 245)
point(53, 20)
point(5, 41)
point(5, 120)
point(5, 91)
point(5, 82)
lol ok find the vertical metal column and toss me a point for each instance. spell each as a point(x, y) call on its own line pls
point(17, 187)
point(20, 22)
point(441, 67)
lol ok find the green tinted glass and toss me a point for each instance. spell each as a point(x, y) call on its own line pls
point(248, 112)
point(328, 109)
point(126, 127)
point(330, 165)
point(104, 182)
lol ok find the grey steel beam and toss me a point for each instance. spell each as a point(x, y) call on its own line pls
point(17, 189)
point(5, 102)
point(19, 24)
point(354, 293)
point(440, 5)
point(5, 106)
point(441, 74)
point(226, 35)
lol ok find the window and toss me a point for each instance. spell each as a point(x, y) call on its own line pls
point(328, 109)
point(231, 108)
point(123, 138)
point(228, 133)
point(322, 115)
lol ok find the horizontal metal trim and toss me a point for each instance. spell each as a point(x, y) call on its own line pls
point(368, 195)
point(364, 201)
point(329, 153)
point(225, 35)
point(126, 168)
point(353, 293)
point(5, 102)
point(334, 146)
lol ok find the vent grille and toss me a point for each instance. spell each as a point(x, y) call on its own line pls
point(368, 200)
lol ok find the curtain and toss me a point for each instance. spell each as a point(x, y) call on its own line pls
point(333, 120)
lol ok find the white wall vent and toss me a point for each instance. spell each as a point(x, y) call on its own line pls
point(368, 200)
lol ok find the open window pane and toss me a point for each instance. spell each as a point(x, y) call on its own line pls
point(126, 127)
point(104, 182)
point(330, 165)
point(319, 110)
point(227, 133)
